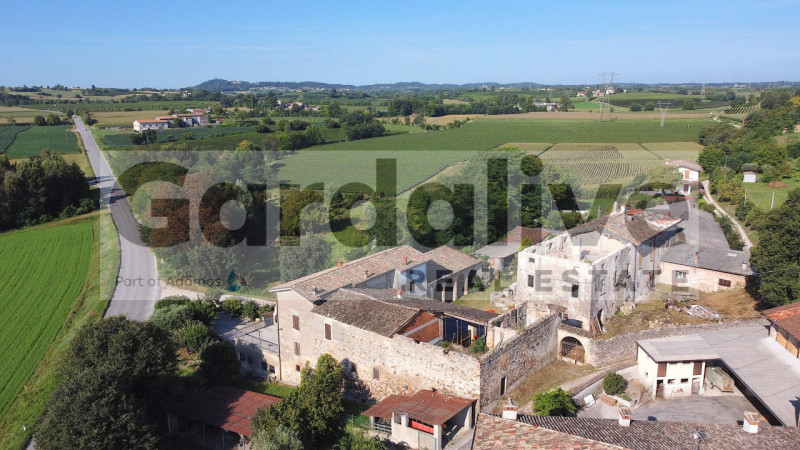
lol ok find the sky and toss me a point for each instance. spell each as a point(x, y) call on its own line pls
point(179, 44)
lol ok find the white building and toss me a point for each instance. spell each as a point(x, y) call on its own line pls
point(152, 124)
point(690, 174)
point(674, 366)
point(749, 177)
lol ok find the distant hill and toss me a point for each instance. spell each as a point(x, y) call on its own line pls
point(220, 85)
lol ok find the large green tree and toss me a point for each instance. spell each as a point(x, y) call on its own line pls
point(776, 257)
point(663, 177)
point(111, 389)
point(314, 411)
point(311, 255)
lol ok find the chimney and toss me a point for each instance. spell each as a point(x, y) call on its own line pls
point(696, 257)
point(624, 416)
point(750, 422)
point(366, 274)
point(510, 411)
point(614, 208)
point(399, 293)
point(339, 264)
point(314, 291)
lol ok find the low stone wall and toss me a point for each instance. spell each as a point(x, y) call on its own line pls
point(515, 360)
point(604, 352)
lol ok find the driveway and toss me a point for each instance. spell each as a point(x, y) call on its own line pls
point(707, 195)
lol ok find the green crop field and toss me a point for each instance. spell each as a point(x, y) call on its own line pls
point(33, 140)
point(8, 134)
point(119, 106)
point(675, 150)
point(122, 138)
point(42, 271)
point(488, 133)
point(595, 164)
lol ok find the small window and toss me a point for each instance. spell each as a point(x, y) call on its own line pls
point(503, 386)
point(328, 331)
point(264, 366)
point(297, 348)
point(296, 322)
point(297, 367)
point(531, 260)
point(680, 274)
point(530, 280)
point(574, 291)
point(250, 360)
point(376, 374)
point(411, 285)
point(724, 283)
point(684, 380)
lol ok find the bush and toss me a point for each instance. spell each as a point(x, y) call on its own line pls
point(203, 310)
point(479, 346)
point(167, 302)
point(614, 384)
point(213, 295)
point(250, 310)
point(553, 403)
point(218, 362)
point(195, 336)
point(232, 306)
point(171, 318)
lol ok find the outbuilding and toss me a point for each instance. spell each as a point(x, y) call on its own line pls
point(749, 177)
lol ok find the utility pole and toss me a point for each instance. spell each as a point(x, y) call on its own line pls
point(608, 80)
point(663, 107)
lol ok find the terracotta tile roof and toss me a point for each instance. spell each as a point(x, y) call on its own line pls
point(519, 233)
point(381, 312)
point(425, 406)
point(496, 433)
point(646, 435)
point(424, 327)
point(353, 272)
point(787, 317)
point(687, 164)
point(451, 259)
point(634, 226)
point(225, 407)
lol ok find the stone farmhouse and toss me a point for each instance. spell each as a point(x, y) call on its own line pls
point(690, 174)
point(586, 273)
point(194, 118)
point(384, 317)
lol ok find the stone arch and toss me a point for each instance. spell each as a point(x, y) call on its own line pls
point(572, 348)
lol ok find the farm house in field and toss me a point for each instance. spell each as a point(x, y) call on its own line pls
point(152, 124)
point(690, 173)
point(749, 177)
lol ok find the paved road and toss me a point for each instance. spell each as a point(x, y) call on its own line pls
point(138, 285)
point(747, 243)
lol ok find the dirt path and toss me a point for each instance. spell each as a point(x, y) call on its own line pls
point(747, 243)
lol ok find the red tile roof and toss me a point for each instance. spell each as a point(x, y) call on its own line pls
point(519, 233)
point(425, 406)
point(786, 317)
point(496, 433)
point(225, 407)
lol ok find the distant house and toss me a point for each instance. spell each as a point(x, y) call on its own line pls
point(550, 106)
point(785, 326)
point(749, 177)
point(151, 124)
point(690, 173)
point(500, 254)
point(582, 94)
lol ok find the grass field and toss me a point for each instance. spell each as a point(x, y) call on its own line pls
point(37, 294)
point(761, 194)
point(675, 150)
point(8, 134)
point(56, 321)
point(124, 118)
point(122, 138)
point(132, 107)
point(33, 140)
point(19, 114)
point(488, 133)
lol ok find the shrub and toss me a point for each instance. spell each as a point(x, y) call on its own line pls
point(213, 295)
point(203, 310)
point(172, 317)
point(232, 306)
point(250, 310)
point(614, 384)
point(195, 336)
point(553, 403)
point(167, 302)
point(479, 346)
point(218, 362)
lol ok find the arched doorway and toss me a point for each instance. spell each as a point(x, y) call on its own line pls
point(573, 349)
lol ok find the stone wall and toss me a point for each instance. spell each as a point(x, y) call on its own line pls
point(518, 358)
point(604, 352)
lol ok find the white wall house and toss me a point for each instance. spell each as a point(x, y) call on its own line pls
point(750, 177)
point(674, 366)
point(690, 174)
point(154, 124)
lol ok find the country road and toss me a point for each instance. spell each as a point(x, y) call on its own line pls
point(138, 286)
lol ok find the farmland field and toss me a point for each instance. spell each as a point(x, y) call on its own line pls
point(36, 295)
point(122, 138)
point(131, 107)
point(488, 133)
point(124, 118)
point(33, 140)
point(675, 150)
point(8, 134)
point(19, 114)
point(595, 164)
